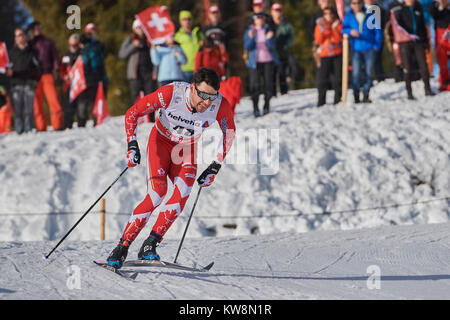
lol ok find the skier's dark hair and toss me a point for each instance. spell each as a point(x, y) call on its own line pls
point(207, 75)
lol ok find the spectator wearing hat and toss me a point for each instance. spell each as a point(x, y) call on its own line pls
point(48, 56)
point(328, 35)
point(190, 39)
point(284, 38)
point(136, 51)
point(259, 7)
point(169, 57)
point(90, 30)
point(93, 57)
point(216, 29)
point(91, 33)
point(259, 41)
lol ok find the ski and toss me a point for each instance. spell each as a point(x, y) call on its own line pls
point(165, 264)
point(116, 271)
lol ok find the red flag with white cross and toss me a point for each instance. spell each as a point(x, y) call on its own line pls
point(77, 79)
point(156, 24)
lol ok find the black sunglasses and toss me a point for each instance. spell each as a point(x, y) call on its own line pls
point(206, 96)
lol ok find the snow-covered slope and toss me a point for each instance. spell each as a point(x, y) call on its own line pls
point(335, 158)
point(284, 171)
point(389, 262)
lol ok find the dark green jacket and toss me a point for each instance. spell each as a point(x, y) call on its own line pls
point(284, 38)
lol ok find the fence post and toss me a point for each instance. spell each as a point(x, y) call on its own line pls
point(102, 218)
point(345, 55)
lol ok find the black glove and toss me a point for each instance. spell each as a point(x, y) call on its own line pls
point(207, 177)
point(133, 155)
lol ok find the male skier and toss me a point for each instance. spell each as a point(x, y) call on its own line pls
point(185, 110)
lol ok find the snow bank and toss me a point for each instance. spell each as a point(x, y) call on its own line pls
point(285, 170)
point(401, 262)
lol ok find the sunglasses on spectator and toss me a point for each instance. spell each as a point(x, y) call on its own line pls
point(358, 3)
point(206, 96)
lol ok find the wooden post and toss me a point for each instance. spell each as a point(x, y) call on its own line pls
point(102, 218)
point(345, 47)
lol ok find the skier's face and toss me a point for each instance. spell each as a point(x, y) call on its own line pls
point(199, 96)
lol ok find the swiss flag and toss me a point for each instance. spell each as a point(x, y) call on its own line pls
point(156, 24)
point(100, 110)
point(400, 34)
point(4, 60)
point(340, 9)
point(77, 79)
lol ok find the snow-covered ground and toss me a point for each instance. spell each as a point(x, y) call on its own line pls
point(389, 262)
point(380, 170)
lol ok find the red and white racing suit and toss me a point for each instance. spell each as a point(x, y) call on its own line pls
point(171, 150)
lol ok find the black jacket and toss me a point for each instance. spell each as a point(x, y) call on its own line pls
point(412, 20)
point(25, 64)
point(441, 17)
point(218, 33)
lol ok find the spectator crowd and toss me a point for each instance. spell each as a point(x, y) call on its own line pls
point(404, 29)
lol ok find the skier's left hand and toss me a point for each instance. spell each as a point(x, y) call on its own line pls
point(207, 177)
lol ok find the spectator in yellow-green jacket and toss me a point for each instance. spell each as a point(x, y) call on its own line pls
point(190, 40)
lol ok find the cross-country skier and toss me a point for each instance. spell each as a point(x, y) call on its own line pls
point(185, 110)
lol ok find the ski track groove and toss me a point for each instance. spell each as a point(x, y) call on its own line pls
point(330, 264)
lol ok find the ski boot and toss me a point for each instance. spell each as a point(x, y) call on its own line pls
point(148, 249)
point(118, 255)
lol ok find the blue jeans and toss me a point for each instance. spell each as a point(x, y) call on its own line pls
point(22, 99)
point(363, 62)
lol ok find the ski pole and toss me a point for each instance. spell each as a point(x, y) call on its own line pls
point(189, 221)
point(82, 217)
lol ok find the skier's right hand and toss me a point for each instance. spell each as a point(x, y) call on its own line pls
point(133, 154)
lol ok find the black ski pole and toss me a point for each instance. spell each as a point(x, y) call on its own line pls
point(189, 221)
point(82, 217)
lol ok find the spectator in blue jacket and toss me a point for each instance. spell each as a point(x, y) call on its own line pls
point(366, 38)
point(259, 41)
point(169, 57)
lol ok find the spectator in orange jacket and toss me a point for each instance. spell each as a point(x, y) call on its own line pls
point(212, 56)
point(328, 36)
